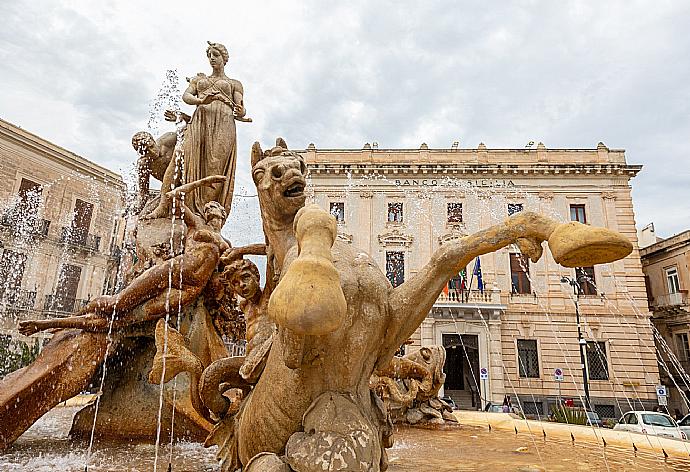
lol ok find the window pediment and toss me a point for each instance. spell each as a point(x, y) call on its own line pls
point(395, 238)
point(454, 234)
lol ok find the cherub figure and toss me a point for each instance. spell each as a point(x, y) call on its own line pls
point(176, 282)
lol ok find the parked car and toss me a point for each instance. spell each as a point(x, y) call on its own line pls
point(498, 408)
point(650, 422)
point(594, 420)
point(684, 425)
point(450, 402)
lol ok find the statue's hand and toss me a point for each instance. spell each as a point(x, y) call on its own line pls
point(238, 110)
point(209, 98)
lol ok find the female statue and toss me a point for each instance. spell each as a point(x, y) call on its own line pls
point(210, 142)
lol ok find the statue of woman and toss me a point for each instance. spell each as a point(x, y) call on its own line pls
point(210, 141)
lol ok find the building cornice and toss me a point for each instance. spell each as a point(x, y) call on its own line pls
point(669, 244)
point(585, 170)
point(57, 154)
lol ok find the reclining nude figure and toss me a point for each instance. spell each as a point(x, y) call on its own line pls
point(312, 408)
point(150, 295)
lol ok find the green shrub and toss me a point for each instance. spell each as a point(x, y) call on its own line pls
point(15, 354)
point(570, 415)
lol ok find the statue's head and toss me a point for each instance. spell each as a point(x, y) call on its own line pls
point(217, 51)
point(243, 276)
point(214, 214)
point(143, 143)
point(280, 179)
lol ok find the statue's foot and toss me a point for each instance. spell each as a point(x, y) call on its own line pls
point(27, 328)
point(161, 211)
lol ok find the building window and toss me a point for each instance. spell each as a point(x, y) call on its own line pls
point(519, 274)
point(585, 277)
point(83, 211)
point(395, 267)
point(672, 280)
point(65, 296)
point(597, 366)
point(514, 208)
point(29, 196)
point(395, 212)
point(605, 411)
point(454, 212)
point(533, 408)
point(577, 213)
point(528, 358)
point(338, 210)
point(11, 275)
point(682, 346)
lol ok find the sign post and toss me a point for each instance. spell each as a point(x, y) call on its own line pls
point(484, 376)
point(558, 377)
point(662, 395)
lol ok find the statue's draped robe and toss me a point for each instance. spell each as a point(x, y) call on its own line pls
point(210, 143)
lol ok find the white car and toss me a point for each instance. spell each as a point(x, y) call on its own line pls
point(684, 425)
point(650, 422)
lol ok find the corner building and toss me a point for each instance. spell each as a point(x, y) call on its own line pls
point(60, 230)
point(509, 336)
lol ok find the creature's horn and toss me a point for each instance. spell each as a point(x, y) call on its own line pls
point(280, 142)
point(257, 153)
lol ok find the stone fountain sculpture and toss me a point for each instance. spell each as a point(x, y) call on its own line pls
point(321, 334)
point(409, 387)
point(178, 247)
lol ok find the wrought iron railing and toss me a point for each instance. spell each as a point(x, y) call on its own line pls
point(28, 223)
point(22, 300)
point(76, 237)
point(61, 304)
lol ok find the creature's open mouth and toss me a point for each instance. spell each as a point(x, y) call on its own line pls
point(294, 190)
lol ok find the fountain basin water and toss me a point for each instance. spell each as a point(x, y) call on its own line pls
point(46, 447)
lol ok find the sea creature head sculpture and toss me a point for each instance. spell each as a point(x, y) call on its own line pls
point(280, 178)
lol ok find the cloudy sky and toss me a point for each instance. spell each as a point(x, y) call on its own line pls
point(85, 75)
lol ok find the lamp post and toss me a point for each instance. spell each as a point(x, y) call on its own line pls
point(583, 344)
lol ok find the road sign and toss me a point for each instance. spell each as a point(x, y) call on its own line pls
point(663, 401)
point(558, 374)
point(661, 391)
point(484, 373)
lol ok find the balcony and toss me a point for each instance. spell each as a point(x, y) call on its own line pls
point(63, 305)
point(24, 224)
point(80, 239)
point(19, 300)
point(670, 299)
point(471, 297)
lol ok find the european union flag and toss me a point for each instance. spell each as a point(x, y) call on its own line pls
point(478, 273)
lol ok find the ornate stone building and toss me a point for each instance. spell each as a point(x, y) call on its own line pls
point(60, 228)
point(510, 337)
point(665, 265)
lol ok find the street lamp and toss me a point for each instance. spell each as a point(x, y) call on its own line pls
point(575, 283)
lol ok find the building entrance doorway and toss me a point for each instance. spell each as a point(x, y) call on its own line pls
point(462, 370)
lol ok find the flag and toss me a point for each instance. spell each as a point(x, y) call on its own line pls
point(478, 273)
point(463, 279)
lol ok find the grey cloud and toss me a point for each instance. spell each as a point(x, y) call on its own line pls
point(569, 74)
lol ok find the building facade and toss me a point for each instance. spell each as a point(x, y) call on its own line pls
point(511, 333)
point(60, 228)
point(665, 265)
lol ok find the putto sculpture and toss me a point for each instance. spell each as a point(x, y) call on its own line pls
point(313, 389)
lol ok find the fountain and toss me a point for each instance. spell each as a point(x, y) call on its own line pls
point(319, 378)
